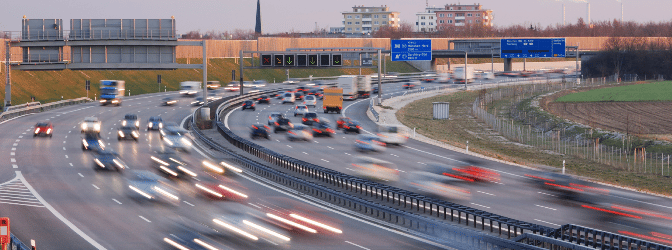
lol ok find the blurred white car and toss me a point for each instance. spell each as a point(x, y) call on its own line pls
point(371, 168)
point(145, 185)
point(300, 133)
point(310, 100)
point(174, 138)
point(250, 224)
point(392, 134)
point(437, 185)
point(300, 110)
point(371, 143)
point(91, 124)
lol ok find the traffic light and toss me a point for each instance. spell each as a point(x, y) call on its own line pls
point(312, 60)
point(278, 60)
point(266, 60)
point(325, 59)
point(88, 84)
point(289, 60)
point(336, 60)
point(301, 60)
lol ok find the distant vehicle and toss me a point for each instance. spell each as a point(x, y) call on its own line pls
point(263, 99)
point(348, 84)
point(145, 185)
point(174, 138)
point(374, 89)
point(302, 89)
point(510, 73)
point(93, 142)
point(155, 123)
point(323, 128)
point(220, 189)
point(288, 97)
point(212, 85)
point(466, 173)
point(277, 95)
point(392, 134)
point(375, 169)
point(43, 129)
point(411, 84)
point(111, 92)
point(273, 117)
point(259, 83)
point(316, 92)
point(428, 77)
point(248, 84)
point(249, 223)
point(340, 121)
point(437, 186)
point(300, 133)
point(443, 77)
point(127, 133)
point(298, 95)
point(189, 88)
point(291, 81)
point(459, 74)
point(249, 104)
point(333, 100)
point(259, 130)
point(168, 101)
point(282, 124)
point(131, 120)
point(300, 110)
point(369, 143)
point(169, 163)
point(310, 100)
point(91, 124)
point(233, 86)
point(198, 101)
point(487, 76)
point(363, 86)
point(310, 118)
point(526, 73)
point(351, 126)
point(108, 160)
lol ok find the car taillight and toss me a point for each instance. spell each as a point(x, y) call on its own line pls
point(276, 124)
point(252, 104)
point(347, 127)
point(330, 130)
point(305, 120)
point(359, 127)
point(362, 142)
point(315, 119)
point(316, 130)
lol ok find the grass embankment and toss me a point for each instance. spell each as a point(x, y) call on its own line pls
point(463, 127)
point(657, 91)
point(48, 86)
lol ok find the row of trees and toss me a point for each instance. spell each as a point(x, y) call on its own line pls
point(645, 57)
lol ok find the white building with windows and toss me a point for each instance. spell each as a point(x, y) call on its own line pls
point(366, 20)
point(426, 21)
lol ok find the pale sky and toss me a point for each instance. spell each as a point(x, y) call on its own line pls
point(301, 15)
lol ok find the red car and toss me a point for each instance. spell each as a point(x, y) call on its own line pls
point(43, 129)
point(342, 121)
point(220, 188)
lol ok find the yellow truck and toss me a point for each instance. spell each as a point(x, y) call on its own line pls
point(333, 100)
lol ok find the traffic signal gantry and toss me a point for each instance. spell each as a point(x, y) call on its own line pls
point(301, 60)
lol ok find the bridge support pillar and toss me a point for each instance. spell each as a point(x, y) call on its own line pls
point(433, 64)
point(508, 64)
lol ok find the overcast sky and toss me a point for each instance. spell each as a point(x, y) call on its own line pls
point(301, 15)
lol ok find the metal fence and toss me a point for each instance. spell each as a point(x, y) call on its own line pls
point(549, 133)
point(31, 109)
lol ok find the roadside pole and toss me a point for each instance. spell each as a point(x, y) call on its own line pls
point(465, 70)
point(241, 72)
point(205, 74)
point(380, 89)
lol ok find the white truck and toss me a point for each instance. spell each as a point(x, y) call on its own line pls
point(443, 77)
point(364, 86)
point(189, 88)
point(349, 85)
point(459, 75)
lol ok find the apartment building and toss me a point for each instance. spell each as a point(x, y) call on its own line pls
point(366, 20)
point(426, 21)
point(460, 15)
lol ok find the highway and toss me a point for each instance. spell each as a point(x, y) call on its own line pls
point(512, 196)
point(51, 193)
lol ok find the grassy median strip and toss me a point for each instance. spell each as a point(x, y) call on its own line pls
point(463, 127)
point(656, 91)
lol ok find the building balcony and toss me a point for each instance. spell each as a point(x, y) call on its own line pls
point(366, 25)
point(459, 24)
point(459, 18)
point(366, 19)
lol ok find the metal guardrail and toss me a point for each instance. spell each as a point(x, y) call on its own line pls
point(373, 111)
point(41, 108)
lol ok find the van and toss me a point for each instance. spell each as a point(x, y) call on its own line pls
point(288, 97)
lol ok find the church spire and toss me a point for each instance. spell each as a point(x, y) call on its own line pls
point(257, 27)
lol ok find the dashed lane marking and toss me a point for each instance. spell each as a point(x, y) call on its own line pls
point(545, 207)
point(80, 174)
point(115, 200)
point(95, 186)
point(145, 219)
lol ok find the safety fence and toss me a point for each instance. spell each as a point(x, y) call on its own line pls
point(547, 132)
point(16, 244)
point(37, 108)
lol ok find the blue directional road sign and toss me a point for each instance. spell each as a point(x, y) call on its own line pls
point(411, 50)
point(532, 48)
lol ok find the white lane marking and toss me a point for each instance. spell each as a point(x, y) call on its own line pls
point(58, 215)
point(324, 160)
point(289, 146)
point(29, 129)
point(188, 203)
point(66, 156)
point(347, 154)
point(12, 153)
point(64, 148)
point(80, 174)
point(548, 222)
point(316, 141)
point(640, 201)
point(304, 152)
point(547, 194)
point(13, 149)
point(545, 207)
point(330, 147)
point(485, 193)
point(479, 205)
point(356, 245)
point(66, 137)
point(277, 140)
point(394, 155)
point(71, 165)
point(69, 131)
point(144, 219)
point(63, 142)
point(95, 186)
point(115, 200)
point(15, 144)
point(21, 136)
point(12, 160)
point(15, 166)
point(17, 140)
point(23, 133)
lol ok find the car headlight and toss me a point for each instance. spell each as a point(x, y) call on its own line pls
point(150, 125)
point(48, 131)
point(103, 101)
point(85, 143)
point(167, 141)
point(96, 127)
point(102, 144)
point(160, 125)
point(83, 125)
point(118, 163)
point(115, 101)
point(37, 130)
point(135, 134)
point(123, 123)
point(137, 123)
point(121, 134)
point(99, 163)
point(185, 141)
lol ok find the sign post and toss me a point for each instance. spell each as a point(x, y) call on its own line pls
point(411, 50)
point(4, 232)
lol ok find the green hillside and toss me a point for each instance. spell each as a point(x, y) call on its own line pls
point(656, 91)
point(49, 86)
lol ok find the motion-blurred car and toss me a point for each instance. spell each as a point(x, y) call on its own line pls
point(282, 124)
point(147, 186)
point(212, 85)
point(155, 123)
point(277, 95)
point(108, 160)
point(297, 217)
point(369, 143)
point(168, 101)
point(466, 173)
point(411, 84)
point(374, 89)
point(342, 120)
point(375, 169)
point(298, 95)
point(92, 141)
point(300, 110)
point(91, 124)
point(302, 89)
point(273, 117)
point(317, 92)
point(288, 97)
point(310, 118)
point(220, 188)
point(175, 139)
point(259, 83)
point(351, 126)
point(564, 187)
point(168, 125)
point(260, 130)
point(232, 86)
point(249, 104)
point(428, 77)
point(437, 186)
point(263, 99)
point(198, 101)
point(323, 128)
point(192, 239)
point(300, 133)
point(392, 134)
point(169, 163)
point(131, 120)
point(43, 129)
point(310, 100)
point(127, 133)
point(249, 223)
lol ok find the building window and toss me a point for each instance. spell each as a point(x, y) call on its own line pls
point(416, 23)
point(469, 21)
point(356, 22)
point(441, 15)
point(422, 23)
point(478, 20)
point(357, 17)
point(440, 21)
point(367, 10)
point(384, 22)
point(468, 14)
point(478, 14)
point(422, 17)
point(384, 16)
point(349, 23)
point(375, 16)
point(431, 17)
point(450, 21)
point(349, 16)
point(357, 29)
point(450, 15)
point(343, 22)
point(376, 22)
point(431, 23)
point(349, 29)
